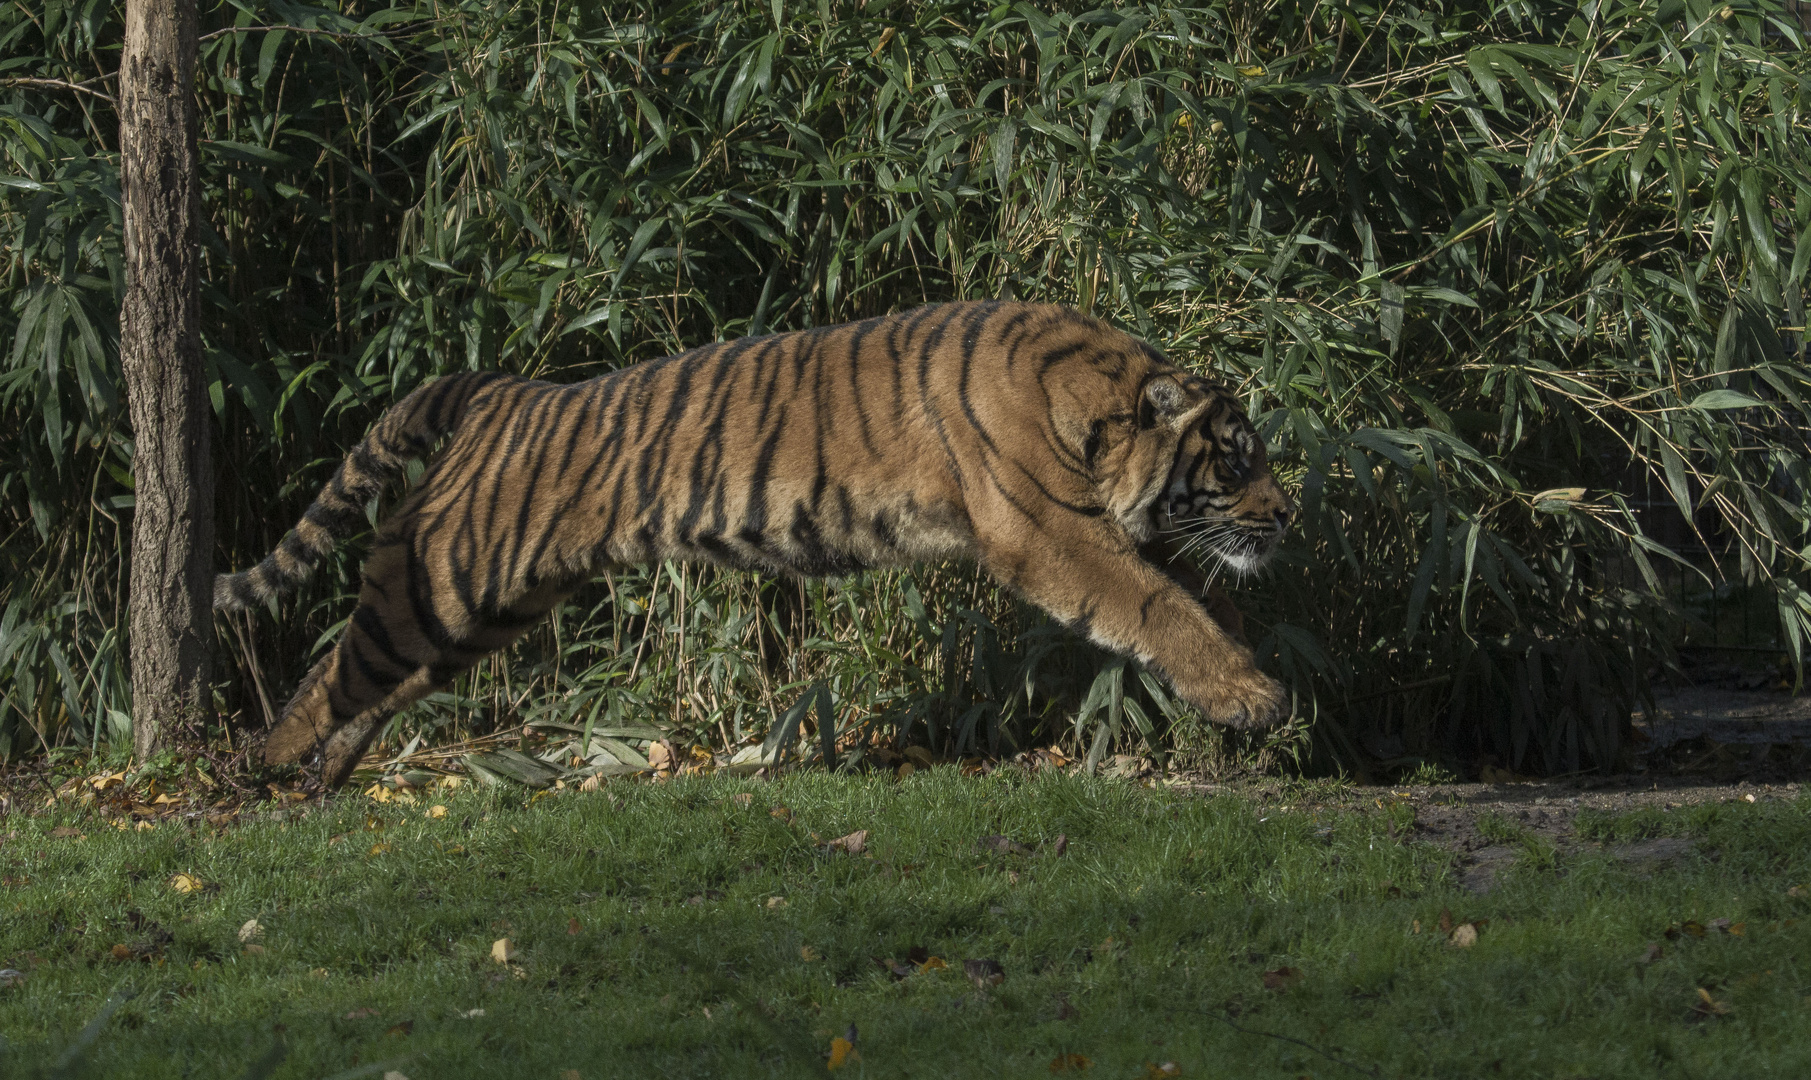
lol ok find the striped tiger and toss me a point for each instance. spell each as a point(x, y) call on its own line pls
point(1051, 449)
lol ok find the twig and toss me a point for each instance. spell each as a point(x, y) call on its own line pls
point(1373, 1071)
point(342, 34)
point(57, 84)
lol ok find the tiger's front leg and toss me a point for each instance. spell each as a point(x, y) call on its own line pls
point(1101, 587)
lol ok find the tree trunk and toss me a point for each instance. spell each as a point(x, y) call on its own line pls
point(160, 354)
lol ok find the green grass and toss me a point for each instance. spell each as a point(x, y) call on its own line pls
point(670, 887)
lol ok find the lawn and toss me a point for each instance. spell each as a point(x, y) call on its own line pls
point(709, 927)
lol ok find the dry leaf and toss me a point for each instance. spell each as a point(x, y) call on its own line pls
point(10, 978)
point(591, 783)
point(394, 1075)
point(502, 951)
point(1708, 1006)
point(471, 1014)
point(935, 963)
point(1464, 936)
point(984, 973)
point(1446, 920)
point(250, 931)
point(254, 950)
point(905, 769)
point(660, 757)
point(855, 843)
point(1652, 953)
point(570, 1074)
point(1060, 845)
point(319, 973)
point(1282, 978)
point(121, 952)
point(67, 832)
point(1070, 1063)
point(1154, 1071)
point(1415, 927)
point(572, 926)
point(1002, 845)
point(808, 953)
point(436, 811)
point(842, 1052)
point(360, 1014)
point(782, 813)
point(776, 901)
point(185, 883)
point(403, 1028)
point(1799, 892)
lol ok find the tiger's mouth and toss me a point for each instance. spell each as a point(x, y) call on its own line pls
point(1240, 546)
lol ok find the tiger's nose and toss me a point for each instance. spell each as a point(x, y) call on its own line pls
point(1283, 516)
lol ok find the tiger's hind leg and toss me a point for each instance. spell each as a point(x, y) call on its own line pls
point(397, 649)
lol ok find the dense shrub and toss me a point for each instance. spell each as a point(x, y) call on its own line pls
point(1515, 290)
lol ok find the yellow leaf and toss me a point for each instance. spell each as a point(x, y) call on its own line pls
point(1070, 1063)
point(1252, 71)
point(842, 1052)
point(1465, 935)
point(1153, 1071)
point(806, 952)
point(185, 883)
point(502, 951)
point(934, 963)
point(437, 811)
point(776, 901)
point(251, 931)
point(378, 848)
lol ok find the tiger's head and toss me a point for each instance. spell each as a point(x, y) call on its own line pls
point(1221, 497)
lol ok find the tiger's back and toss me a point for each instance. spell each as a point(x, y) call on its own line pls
point(1032, 439)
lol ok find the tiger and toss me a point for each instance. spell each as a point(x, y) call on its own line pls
point(1060, 455)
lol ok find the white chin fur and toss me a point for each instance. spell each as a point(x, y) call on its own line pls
point(1246, 562)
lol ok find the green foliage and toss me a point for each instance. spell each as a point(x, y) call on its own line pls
point(1512, 290)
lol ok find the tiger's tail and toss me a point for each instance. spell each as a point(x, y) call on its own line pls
point(405, 433)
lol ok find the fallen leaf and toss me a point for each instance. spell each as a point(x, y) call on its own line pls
point(1415, 927)
point(1708, 1006)
point(1060, 845)
point(121, 952)
point(394, 1075)
point(984, 973)
point(855, 843)
point(11, 977)
point(253, 950)
point(1160, 1071)
point(569, 1074)
point(1282, 978)
point(67, 832)
point(591, 783)
point(250, 931)
point(1446, 920)
point(660, 757)
point(319, 973)
point(905, 769)
point(436, 811)
point(360, 1014)
point(1652, 953)
point(1799, 892)
point(378, 848)
point(808, 953)
point(1002, 845)
point(471, 1014)
point(920, 756)
point(185, 883)
point(776, 901)
point(1070, 1063)
point(403, 1028)
point(934, 963)
point(502, 951)
point(1465, 935)
point(842, 1052)
point(782, 813)
point(572, 926)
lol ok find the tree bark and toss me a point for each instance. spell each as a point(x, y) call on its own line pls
point(171, 601)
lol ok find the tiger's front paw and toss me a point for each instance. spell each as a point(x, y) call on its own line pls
point(1248, 701)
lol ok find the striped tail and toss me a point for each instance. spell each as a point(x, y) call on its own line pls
point(405, 433)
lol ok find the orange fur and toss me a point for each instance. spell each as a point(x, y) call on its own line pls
point(1040, 443)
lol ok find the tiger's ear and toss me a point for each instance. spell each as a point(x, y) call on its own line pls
point(1164, 399)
